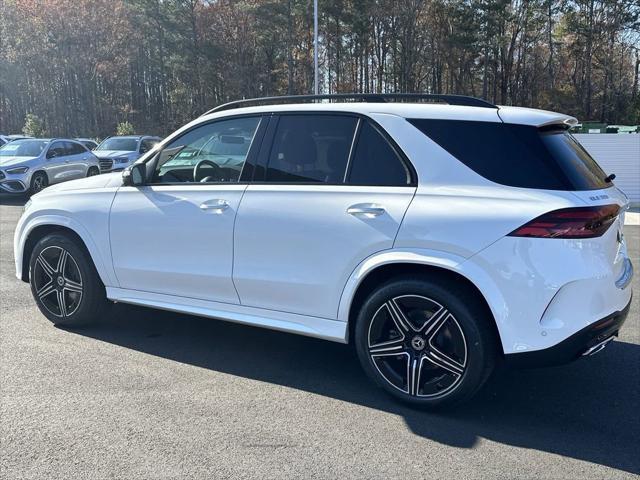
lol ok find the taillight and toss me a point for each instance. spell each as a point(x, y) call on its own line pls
point(579, 222)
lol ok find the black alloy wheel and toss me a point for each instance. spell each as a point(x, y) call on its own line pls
point(64, 281)
point(426, 341)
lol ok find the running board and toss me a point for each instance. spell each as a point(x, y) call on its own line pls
point(316, 327)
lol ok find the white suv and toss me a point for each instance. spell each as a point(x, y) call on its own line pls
point(438, 239)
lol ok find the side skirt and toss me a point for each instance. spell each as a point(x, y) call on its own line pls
point(316, 327)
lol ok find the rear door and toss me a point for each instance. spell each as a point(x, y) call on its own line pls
point(77, 161)
point(331, 191)
point(58, 157)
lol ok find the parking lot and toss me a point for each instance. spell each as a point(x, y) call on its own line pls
point(152, 395)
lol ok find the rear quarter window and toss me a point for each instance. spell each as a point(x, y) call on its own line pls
point(517, 155)
point(375, 162)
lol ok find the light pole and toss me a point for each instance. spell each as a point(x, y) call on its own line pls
point(315, 47)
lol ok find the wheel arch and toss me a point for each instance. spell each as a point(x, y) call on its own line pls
point(45, 226)
point(384, 271)
point(40, 170)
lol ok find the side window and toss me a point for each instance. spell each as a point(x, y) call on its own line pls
point(56, 150)
point(75, 148)
point(147, 144)
point(212, 153)
point(311, 149)
point(375, 162)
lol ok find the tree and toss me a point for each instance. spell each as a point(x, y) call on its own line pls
point(160, 63)
point(33, 126)
point(125, 128)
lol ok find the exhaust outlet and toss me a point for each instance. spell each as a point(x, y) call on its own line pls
point(597, 348)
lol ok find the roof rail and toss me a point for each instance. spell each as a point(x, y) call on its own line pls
point(362, 97)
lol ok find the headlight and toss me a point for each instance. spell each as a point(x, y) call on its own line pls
point(121, 160)
point(17, 170)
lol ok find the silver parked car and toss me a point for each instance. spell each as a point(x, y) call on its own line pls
point(32, 164)
point(117, 153)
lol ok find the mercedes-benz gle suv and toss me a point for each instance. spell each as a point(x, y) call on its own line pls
point(437, 239)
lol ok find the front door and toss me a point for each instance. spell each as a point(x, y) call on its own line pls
point(174, 235)
point(333, 192)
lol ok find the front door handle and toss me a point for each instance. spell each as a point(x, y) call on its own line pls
point(217, 205)
point(366, 210)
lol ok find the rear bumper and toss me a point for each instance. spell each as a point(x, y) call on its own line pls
point(544, 291)
point(587, 341)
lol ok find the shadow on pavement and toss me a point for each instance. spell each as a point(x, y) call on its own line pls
point(587, 410)
point(13, 200)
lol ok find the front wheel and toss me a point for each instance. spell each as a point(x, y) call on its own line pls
point(92, 171)
point(39, 181)
point(64, 281)
point(423, 342)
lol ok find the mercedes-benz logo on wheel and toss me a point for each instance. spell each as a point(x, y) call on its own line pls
point(418, 343)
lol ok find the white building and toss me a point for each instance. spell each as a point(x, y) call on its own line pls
point(619, 154)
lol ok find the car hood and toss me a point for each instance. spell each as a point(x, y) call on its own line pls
point(14, 161)
point(112, 153)
point(93, 182)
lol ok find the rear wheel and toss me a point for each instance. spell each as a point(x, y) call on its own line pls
point(64, 281)
point(39, 182)
point(92, 171)
point(425, 342)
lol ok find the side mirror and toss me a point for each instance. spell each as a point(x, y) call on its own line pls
point(134, 176)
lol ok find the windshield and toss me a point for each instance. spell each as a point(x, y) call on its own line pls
point(23, 148)
point(115, 143)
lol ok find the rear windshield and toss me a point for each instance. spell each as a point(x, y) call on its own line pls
point(518, 155)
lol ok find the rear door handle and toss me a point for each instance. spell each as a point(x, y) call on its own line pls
point(366, 210)
point(217, 205)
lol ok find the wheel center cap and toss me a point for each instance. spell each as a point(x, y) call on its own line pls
point(418, 343)
point(60, 281)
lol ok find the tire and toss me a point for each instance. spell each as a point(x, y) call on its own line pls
point(93, 171)
point(39, 181)
point(424, 341)
point(74, 281)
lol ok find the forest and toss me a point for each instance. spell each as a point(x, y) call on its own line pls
point(81, 67)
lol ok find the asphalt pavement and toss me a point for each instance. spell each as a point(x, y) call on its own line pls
point(156, 395)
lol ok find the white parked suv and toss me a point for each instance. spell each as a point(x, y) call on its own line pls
point(438, 239)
